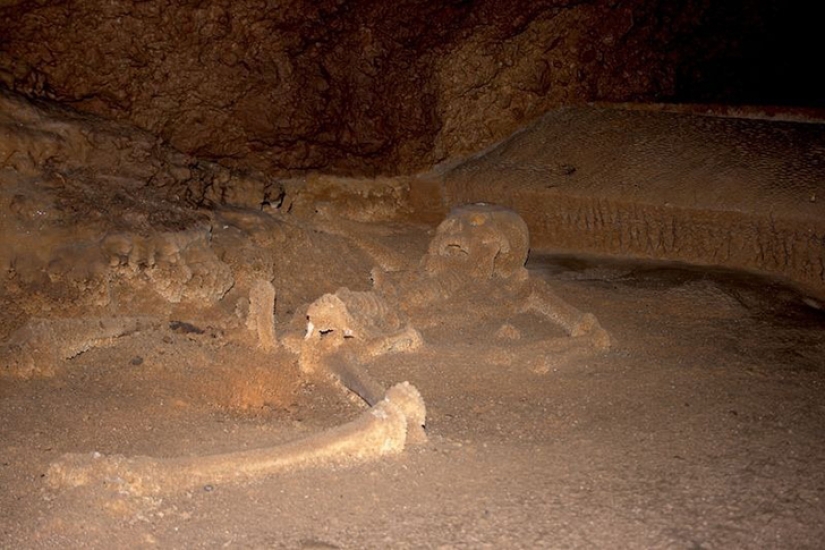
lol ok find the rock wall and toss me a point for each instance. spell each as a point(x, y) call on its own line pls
point(367, 87)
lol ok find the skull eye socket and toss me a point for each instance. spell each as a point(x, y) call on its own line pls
point(454, 250)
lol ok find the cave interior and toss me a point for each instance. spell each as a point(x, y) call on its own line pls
point(186, 186)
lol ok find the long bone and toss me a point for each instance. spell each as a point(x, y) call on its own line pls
point(583, 328)
point(381, 431)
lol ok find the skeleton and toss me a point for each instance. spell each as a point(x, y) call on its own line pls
point(486, 246)
point(478, 247)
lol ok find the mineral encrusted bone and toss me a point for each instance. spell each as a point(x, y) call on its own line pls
point(481, 247)
point(364, 319)
point(261, 318)
point(381, 431)
point(480, 240)
point(37, 347)
point(478, 250)
point(347, 329)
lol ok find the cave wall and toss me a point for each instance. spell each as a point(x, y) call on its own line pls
point(364, 87)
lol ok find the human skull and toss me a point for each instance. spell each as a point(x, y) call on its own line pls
point(482, 240)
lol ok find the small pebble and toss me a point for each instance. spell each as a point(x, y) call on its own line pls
point(208, 488)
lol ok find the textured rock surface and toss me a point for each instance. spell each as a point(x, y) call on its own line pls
point(371, 87)
point(99, 218)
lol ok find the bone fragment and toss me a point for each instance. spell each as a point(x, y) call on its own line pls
point(36, 348)
point(584, 328)
point(261, 319)
point(381, 431)
point(353, 377)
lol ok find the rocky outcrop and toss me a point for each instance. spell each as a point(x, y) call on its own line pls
point(369, 87)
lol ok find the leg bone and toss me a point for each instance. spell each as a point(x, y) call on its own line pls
point(380, 431)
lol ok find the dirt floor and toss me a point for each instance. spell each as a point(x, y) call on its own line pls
point(703, 427)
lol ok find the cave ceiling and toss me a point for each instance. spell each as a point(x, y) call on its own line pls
point(371, 87)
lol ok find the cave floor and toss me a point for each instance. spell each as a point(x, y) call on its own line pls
point(703, 427)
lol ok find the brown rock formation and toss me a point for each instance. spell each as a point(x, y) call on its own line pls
point(358, 87)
